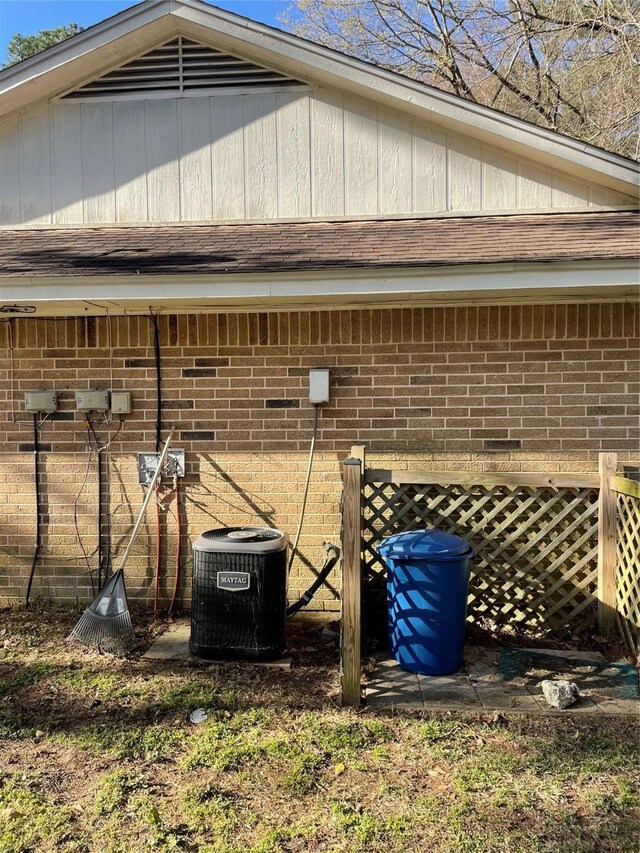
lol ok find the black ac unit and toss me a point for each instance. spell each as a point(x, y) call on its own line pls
point(239, 593)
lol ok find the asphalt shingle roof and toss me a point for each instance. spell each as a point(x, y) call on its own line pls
point(280, 247)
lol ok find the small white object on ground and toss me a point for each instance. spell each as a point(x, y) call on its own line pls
point(560, 694)
point(198, 716)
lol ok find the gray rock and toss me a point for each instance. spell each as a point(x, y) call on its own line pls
point(560, 694)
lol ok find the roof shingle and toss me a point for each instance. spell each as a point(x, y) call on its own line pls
point(308, 246)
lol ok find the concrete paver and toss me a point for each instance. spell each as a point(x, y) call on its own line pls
point(173, 644)
point(481, 686)
point(391, 685)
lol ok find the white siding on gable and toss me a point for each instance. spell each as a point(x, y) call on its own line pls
point(534, 187)
point(568, 193)
point(10, 172)
point(294, 156)
point(35, 166)
point(395, 189)
point(235, 157)
point(196, 181)
point(66, 156)
point(464, 174)
point(228, 158)
point(429, 168)
point(130, 162)
point(163, 160)
point(260, 158)
point(361, 158)
point(499, 180)
point(327, 154)
point(98, 175)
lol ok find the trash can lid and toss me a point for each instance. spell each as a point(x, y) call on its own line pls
point(423, 543)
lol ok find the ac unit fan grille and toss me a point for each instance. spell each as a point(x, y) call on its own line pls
point(248, 534)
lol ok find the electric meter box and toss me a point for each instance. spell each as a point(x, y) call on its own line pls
point(40, 401)
point(92, 401)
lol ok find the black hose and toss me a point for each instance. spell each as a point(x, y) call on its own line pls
point(36, 479)
point(333, 555)
point(156, 351)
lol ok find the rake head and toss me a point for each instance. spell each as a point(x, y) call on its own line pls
point(106, 623)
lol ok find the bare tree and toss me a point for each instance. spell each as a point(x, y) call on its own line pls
point(571, 65)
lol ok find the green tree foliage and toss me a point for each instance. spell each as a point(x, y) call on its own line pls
point(20, 47)
point(570, 65)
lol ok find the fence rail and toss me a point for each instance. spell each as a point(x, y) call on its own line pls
point(552, 550)
point(627, 493)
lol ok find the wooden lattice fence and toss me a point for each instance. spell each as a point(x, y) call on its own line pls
point(536, 546)
point(552, 551)
point(627, 494)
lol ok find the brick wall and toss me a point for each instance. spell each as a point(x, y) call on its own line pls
point(536, 388)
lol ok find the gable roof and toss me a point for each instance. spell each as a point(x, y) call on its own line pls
point(142, 27)
point(301, 247)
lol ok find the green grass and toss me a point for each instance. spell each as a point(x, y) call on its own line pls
point(279, 768)
point(28, 820)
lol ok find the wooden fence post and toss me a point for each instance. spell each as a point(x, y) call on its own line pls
point(359, 451)
point(606, 544)
point(351, 582)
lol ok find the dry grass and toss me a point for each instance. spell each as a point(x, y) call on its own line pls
point(98, 754)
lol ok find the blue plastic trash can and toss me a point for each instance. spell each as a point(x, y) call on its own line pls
point(427, 590)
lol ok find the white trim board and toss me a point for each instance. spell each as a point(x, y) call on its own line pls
point(473, 285)
point(307, 220)
point(138, 28)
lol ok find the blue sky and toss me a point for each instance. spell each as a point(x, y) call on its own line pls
point(29, 16)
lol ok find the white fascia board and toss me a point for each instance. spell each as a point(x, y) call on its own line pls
point(328, 67)
point(489, 283)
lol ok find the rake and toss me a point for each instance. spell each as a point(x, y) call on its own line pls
point(106, 623)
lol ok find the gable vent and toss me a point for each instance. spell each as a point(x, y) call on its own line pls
point(181, 67)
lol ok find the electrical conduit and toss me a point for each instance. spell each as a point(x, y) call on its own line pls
point(36, 479)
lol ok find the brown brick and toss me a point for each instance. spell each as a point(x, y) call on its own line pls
point(502, 444)
point(211, 362)
point(524, 402)
point(282, 404)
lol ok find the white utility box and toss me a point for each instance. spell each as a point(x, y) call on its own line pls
point(92, 401)
point(121, 402)
point(318, 385)
point(40, 401)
